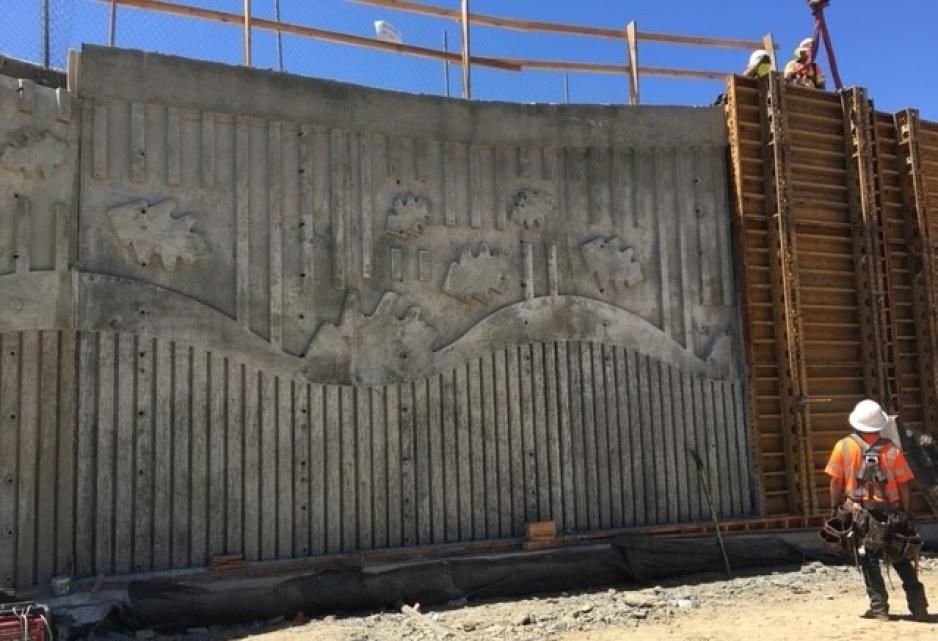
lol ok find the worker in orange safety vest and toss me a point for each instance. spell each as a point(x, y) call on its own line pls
point(886, 491)
point(803, 71)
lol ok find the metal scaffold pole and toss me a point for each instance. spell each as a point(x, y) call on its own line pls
point(446, 65)
point(44, 34)
point(279, 36)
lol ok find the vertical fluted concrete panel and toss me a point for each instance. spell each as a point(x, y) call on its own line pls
point(311, 469)
point(297, 320)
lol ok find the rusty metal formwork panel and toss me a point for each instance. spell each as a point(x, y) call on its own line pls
point(869, 249)
point(921, 229)
point(899, 272)
point(827, 200)
point(771, 300)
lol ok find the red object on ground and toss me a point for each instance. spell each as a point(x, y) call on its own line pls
point(11, 628)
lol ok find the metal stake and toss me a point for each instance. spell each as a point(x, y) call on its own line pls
point(44, 35)
point(705, 485)
point(446, 64)
point(566, 87)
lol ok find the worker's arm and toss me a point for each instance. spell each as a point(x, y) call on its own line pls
point(837, 493)
point(905, 497)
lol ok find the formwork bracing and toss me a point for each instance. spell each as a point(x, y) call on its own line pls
point(836, 261)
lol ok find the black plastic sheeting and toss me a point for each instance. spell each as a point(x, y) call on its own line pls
point(629, 559)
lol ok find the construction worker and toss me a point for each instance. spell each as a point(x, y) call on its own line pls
point(760, 64)
point(803, 71)
point(869, 472)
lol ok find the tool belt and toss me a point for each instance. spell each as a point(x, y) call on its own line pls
point(870, 528)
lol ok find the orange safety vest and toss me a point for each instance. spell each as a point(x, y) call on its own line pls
point(847, 458)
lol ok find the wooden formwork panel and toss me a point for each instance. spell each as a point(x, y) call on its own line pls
point(833, 303)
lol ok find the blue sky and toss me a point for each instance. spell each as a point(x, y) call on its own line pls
point(888, 47)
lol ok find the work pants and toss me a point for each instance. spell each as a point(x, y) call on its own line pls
point(876, 587)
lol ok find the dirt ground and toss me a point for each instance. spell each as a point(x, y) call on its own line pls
point(811, 602)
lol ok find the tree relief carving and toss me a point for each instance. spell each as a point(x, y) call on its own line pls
point(152, 230)
point(391, 346)
point(531, 208)
point(32, 153)
point(477, 278)
point(612, 263)
point(409, 217)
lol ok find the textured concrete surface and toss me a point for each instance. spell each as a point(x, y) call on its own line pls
point(279, 316)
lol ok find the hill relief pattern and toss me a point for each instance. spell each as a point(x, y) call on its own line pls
point(285, 217)
point(316, 236)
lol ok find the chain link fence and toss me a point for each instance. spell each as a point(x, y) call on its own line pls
point(42, 31)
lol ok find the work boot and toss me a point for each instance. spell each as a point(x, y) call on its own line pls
point(879, 615)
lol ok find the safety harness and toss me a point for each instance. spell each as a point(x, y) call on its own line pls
point(870, 472)
point(806, 74)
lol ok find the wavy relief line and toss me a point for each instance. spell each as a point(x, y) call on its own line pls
point(155, 311)
point(114, 303)
point(577, 318)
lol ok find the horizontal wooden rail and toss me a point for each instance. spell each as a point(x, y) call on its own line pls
point(556, 27)
point(310, 32)
point(497, 21)
point(507, 64)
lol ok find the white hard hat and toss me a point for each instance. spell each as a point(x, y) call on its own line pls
point(868, 416)
point(757, 56)
point(807, 43)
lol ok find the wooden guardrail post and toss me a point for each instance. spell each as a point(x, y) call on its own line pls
point(768, 43)
point(464, 21)
point(631, 38)
point(112, 24)
point(786, 298)
point(247, 33)
point(922, 255)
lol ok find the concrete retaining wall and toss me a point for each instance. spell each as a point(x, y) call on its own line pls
point(278, 317)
